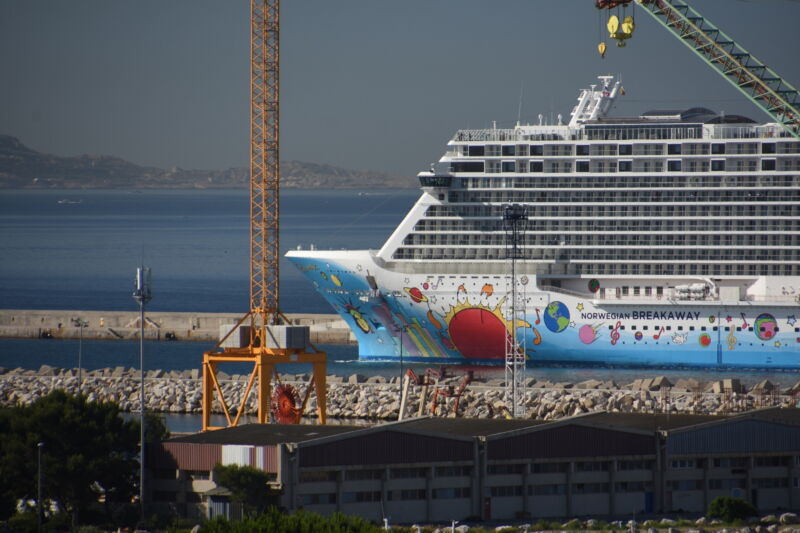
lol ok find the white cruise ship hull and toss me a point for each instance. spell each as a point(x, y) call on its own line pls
point(465, 319)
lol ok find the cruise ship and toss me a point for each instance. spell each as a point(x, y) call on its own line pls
point(666, 239)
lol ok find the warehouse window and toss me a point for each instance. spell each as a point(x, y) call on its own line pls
point(361, 496)
point(407, 473)
point(319, 499)
point(360, 475)
point(453, 471)
point(406, 494)
point(451, 493)
point(547, 490)
point(311, 476)
point(506, 469)
point(589, 488)
point(506, 491)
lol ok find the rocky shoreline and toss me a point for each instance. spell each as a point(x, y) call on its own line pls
point(378, 399)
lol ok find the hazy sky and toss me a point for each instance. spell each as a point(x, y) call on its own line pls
point(366, 84)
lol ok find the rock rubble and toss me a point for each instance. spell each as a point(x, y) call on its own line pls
point(357, 397)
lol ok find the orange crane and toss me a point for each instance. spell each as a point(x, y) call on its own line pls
point(264, 336)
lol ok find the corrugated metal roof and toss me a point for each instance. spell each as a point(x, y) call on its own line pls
point(265, 434)
point(469, 427)
point(739, 435)
point(570, 440)
point(648, 422)
point(386, 445)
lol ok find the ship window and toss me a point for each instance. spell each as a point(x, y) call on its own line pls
point(645, 328)
point(582, 149)
point(718, 148)
point(508, 150)
point(625, 149)
point(768, 164)
point(476, 151)
point(537, 166)
point(509, 166)
point(536, 149)
point(768, 148)
point(673, 149)
point(717, 165)
point(691, 328)
point(674, 165)
point(582, 166)
point(625, 166)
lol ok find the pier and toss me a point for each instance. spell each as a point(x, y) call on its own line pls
point(164, 326)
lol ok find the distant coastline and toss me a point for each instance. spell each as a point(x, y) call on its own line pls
point(22, 167)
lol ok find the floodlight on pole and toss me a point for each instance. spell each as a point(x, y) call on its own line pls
point(142, 293)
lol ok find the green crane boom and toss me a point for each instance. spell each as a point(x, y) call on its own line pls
point(760, 84)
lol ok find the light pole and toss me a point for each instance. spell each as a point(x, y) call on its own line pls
point(403, 329)
point(141, 294)
point(39, 486)
point(81, 323)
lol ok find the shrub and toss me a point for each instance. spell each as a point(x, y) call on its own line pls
point(729, 509)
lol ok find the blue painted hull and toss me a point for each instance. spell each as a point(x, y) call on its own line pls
point(466, 319)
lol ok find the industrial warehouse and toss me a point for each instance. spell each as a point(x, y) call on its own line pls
point(440, 469)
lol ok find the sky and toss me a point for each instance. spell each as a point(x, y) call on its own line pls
point(365, 84)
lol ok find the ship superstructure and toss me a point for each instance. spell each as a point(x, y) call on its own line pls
point(672, 237)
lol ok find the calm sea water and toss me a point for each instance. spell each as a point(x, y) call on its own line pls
point(80, 249)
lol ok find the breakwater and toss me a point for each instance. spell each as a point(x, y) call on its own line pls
point(169, 326)
point(376, 398)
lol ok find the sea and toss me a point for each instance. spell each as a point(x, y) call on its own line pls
point(79, 250)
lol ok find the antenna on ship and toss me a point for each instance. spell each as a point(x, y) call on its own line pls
point(519, 108)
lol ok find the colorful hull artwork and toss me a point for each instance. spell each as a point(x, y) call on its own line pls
point(467, 319)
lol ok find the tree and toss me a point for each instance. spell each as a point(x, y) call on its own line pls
point(89, 451)
point(248, 486)
point(729, 509)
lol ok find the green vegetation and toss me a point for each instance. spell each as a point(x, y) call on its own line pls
point(274, 521)
point(89, 461)
point(248, 486)
point(730, 509)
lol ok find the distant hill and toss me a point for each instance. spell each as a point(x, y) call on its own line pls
point(24, 168)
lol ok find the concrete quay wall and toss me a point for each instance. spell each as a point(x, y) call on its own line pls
point(27, 323)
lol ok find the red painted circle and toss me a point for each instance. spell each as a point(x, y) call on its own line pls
point(478, 334)
point(705, 340)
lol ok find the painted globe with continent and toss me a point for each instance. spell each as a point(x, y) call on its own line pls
point(556, 317)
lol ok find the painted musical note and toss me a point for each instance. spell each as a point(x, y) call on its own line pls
point(615, 333)
point(537, 317)
point(731, 340)
point(745, 325)
point(658, 335)
point(537, 337)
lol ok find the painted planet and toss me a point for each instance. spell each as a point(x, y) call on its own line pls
point(478, 333)
point(638, 335)
point(765, 326)
point(556, 317)
point(587, 334)
point(416, 294)
point(705, 340)
point(594, 285)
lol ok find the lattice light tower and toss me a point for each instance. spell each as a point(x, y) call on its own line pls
point(262, 335)
point(515, 221)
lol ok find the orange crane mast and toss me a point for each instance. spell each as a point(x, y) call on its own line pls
point(263, 336)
